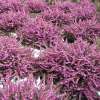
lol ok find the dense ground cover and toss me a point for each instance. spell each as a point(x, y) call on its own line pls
point(66, 36)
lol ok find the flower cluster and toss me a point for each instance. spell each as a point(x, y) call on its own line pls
point(85, 10)
point(57, 17)
point(58, 43)
point(14, 58)
point(87, 30)
point(15, 5)
point(35, 6)
point(10, 21)
point(38, 32)
point(66, 7)
point(8, 5)
point(77, 64)
point(26, 90)
point(3, 6)
point(66, 12)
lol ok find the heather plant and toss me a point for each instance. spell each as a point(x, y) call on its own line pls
point(38, 33)
point(87, 30)
point(15, 5)
point(14, 58)
point(35, 6)
point(64, 13)
point(10, 21)
point(67, 66)
point(85, 10)
point(22, 91)
point(66, 6)
point(3, 6)
point(77, 64)
point(8, 5)
point(27, 90)
point(57, 17)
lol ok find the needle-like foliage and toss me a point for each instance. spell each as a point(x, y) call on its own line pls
point(14, 58)
point(77, 64)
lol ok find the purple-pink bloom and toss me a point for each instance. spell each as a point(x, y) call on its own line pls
point(14, 58)
point(8, 5)
point(35, 6)
point(10, 21)
point(57, 17)
point(87, 30)
point(38, 32)
point(27, 90)
point(85, 10)
point(77, 64)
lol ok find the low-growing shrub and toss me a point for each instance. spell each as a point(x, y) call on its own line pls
point(10, 21)
point(35, 6)
point(57, 17)
point(38, 32)
point(85, 10)
point(66, 6)
point(77, 64)
point(64, 35)
point(87, 30)
point(11, 5)
point(62, 13)
point(14, 58)
point(27, 90)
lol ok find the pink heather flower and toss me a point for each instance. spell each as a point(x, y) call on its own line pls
point(87, 30)
point(10, 21)
point(26, 90)
point(8, 5)
point(14, 58)
point(64, 13)
point(38, 33)
point(3, 6)
point(85, 10)
point(66, 6)
point(15, 5)
point(57, 17)
point(77, 64)
point(35, 6)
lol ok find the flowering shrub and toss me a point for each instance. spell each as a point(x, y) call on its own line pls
point(3, 6)
point(86, 29)
point(15, 5)
point(65, 70)
point(66, 6)
point(77, 64)
point(14, 58)
point(27, 90)
point(7, 5)
point(38, 32)
point(12, 20)
point(62, 13)
point(57, 17)
point(35, 6)
point(85, 10)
